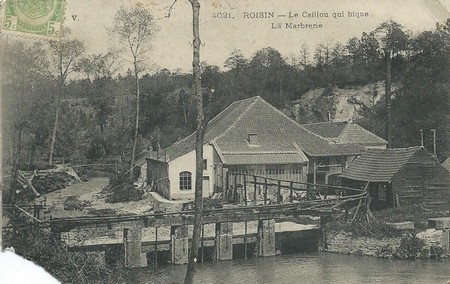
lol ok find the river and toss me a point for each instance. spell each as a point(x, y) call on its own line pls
point(303, 268)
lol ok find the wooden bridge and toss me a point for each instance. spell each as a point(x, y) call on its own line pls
point(253, 205)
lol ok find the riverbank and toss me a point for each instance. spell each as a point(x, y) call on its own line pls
point(398, 233)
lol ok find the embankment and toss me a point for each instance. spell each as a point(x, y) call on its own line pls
point(430, 243)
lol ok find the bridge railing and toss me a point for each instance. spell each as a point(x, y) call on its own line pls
point(253, 189)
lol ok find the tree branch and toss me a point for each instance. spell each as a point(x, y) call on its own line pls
point(169, 10)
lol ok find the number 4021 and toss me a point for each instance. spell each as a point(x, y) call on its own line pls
point(222, 15)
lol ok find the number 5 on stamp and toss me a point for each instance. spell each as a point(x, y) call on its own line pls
point(10, 23)
point(41, 18)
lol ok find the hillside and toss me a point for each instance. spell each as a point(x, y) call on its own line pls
point(343, 103)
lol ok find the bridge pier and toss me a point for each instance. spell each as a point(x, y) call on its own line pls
point(224, 241)
point(132, 242)
point(179, 244)
point(266, 237)
point(446, 240)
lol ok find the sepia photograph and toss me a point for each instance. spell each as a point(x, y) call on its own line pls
point(225, 141)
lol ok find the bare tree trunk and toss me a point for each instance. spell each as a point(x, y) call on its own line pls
point(136, 126)
point(55, 126)
point(2, 76)
point(201, 126)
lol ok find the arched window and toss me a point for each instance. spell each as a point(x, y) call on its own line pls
point(185, 180)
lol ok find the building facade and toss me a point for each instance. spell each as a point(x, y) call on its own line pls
point(249, 136)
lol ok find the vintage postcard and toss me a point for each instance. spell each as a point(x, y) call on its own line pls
point(225, 141)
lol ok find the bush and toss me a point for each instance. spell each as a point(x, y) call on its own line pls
point(411, 247)
point(73, 203)
point(38, 245)
point(209, 203)
point(52, 182)
point(123, 193)
point(437, 252)
point(374, 229)
point(386, 252)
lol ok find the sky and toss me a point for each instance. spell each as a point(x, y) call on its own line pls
point(172, 47)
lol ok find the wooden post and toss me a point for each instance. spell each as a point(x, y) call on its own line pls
point(203, 247)
point(265, 191)
point(155, 263)
point(279, 192)
point(314, 172)
point(254, 192)
point(291, 191)
point(227, 181)
point(245, 240)
point(245, 190)
point(234, 188)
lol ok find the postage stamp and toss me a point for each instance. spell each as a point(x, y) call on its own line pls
point(37, 18)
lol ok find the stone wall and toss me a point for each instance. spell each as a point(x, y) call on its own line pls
point(346, 243)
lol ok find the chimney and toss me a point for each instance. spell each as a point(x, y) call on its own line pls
point(253, 139)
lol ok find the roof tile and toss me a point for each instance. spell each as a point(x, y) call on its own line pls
point(379, 165)
point(275, 131)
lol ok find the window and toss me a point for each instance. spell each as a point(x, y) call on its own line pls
point(205, 164)
point(253, 139)
point(185, 181)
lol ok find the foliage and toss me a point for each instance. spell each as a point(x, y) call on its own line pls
point(122, 190)
point(38, 245)
point(209, 203)
point(134, 28)
point(74, 203)
point(437, 252)
point(374, 229)
point(51, 182)
point(102, 123)
point(386, 251)
point(414, 213)
point(411, 247)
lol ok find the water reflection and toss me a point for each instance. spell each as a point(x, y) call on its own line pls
point(304, 268)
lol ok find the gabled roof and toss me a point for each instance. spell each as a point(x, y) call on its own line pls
point(346, 132)
point(277, 134)
point(379, 165)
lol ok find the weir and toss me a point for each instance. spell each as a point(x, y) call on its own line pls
point(260, 229)
point(222, 241)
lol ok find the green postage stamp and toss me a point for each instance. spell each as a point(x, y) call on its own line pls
point(37, 18)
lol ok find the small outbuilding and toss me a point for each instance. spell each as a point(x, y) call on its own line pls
point(400, 176)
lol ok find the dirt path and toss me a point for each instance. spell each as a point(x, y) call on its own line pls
point(90, 193)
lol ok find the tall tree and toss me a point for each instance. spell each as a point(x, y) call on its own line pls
point(393, 36)
point(236, 61)
point(58, 60)
point(134, 29)
point(304, 55)
point(200, 132)
point(99, 69)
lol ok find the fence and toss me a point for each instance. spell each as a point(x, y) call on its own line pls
point(243, 188)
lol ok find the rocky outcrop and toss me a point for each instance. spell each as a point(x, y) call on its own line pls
point(342, 103)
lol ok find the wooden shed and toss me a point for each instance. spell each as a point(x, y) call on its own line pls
point(400, 176)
